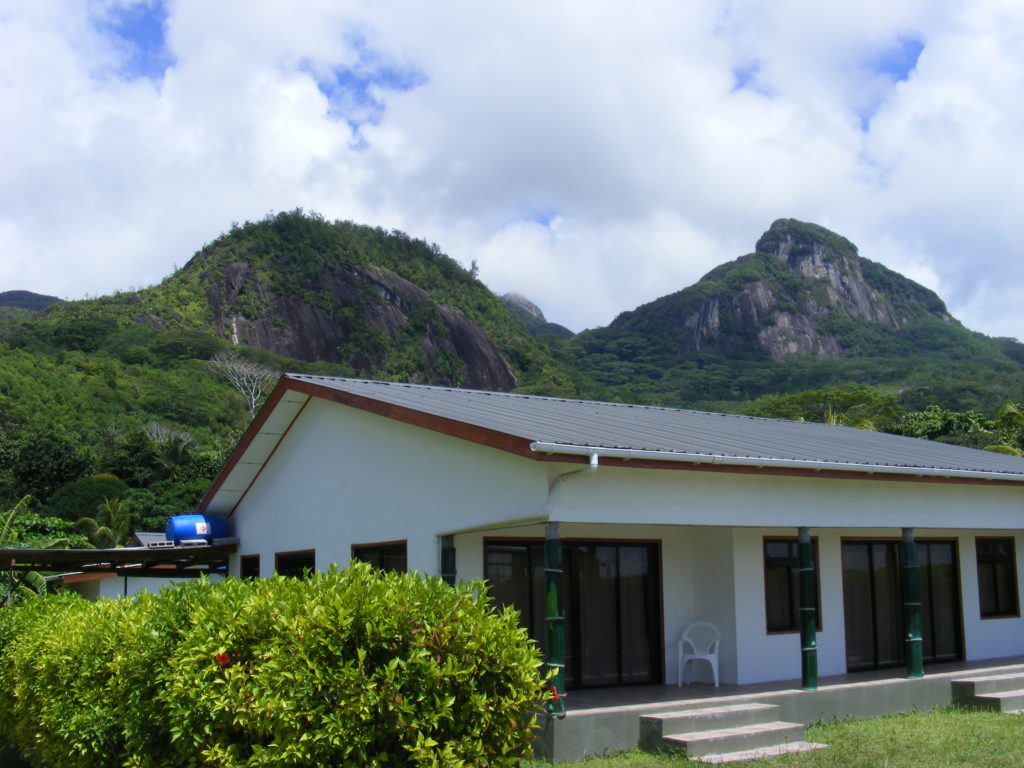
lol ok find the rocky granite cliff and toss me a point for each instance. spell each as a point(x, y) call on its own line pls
point(796, 294)
point(354, 300)
point(790, 290)
point(532, 316)
point(758, 324)
point(354, 314)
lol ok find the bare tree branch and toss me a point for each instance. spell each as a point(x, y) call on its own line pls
point(253, 380)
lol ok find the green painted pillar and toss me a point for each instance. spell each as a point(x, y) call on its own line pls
point(448, 560)
point(912, 604)
point(554, 616)
point(808, 611)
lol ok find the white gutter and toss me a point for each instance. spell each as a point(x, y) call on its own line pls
point(760, 462)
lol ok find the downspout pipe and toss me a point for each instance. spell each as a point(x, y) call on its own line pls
point(566, 449)
point(554, 612)
point(558, 481)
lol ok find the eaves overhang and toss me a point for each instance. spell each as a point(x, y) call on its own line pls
point(709, 461)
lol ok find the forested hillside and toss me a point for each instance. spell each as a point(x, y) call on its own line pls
point(122, 408)
point(117, 397)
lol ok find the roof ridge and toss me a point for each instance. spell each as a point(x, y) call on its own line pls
point(548, 398)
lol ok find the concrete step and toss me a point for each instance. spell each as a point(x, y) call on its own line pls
point(1004, 701)
point(741, 738)
point(653, 728)
point(966, 688)
point(762, 753)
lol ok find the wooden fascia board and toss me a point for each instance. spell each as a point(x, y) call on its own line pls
point(243, 444)
point(503, 441)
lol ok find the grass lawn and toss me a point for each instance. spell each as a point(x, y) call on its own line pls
point(940, 739)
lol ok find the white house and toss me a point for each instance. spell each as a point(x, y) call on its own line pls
point(665, 516)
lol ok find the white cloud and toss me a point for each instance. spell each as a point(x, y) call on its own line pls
point(591, 157)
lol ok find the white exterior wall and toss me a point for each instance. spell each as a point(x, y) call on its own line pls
point(982, 638)
point(342, 476)
point(672, 497)
point(114, 587)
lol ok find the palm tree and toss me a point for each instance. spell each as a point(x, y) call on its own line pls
point(112, 526)
point(1009, 424)
point(856, 417)
point(17, 588)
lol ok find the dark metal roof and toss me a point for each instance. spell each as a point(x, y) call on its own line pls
point(723, 438)
point(145, 538)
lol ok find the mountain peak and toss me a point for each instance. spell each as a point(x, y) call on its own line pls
point(787, 238)
point(804, 291)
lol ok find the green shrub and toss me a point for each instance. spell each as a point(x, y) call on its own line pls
point(352, 667)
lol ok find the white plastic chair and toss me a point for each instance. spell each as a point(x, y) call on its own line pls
point(699, 641)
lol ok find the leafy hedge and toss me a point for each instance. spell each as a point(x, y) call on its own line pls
point(347, 668)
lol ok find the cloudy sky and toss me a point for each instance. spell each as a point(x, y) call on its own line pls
point(590, 155)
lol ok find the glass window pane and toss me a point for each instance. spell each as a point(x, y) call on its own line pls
point(997, 577)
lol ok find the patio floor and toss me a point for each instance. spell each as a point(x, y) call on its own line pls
point(626, 696)
point(606, 720)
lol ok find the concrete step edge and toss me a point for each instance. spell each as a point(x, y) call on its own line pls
point(966, 686)
point(990, 678)
point(792, 747)
point(777, 726)
point(712, 711)
point(1001, 694)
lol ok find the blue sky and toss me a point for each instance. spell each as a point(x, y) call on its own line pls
point(588, 156)
point(139, 31)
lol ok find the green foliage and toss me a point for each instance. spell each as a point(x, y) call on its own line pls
point(44, 461)
point(850, 406)
point(112, 526)
point(84, 495)
point(1003, 434)
point(359, 668)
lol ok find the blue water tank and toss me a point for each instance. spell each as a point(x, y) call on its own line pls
point(197, 527)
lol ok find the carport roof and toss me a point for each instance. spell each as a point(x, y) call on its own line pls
point(166, 562)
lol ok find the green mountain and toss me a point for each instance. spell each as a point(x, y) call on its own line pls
point(119, 398)
point(26, 300)
point(533, 318)
point(123, 385)
point(803, 311)
point(371, 303)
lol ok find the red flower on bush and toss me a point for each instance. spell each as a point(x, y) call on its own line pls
point(223, 659)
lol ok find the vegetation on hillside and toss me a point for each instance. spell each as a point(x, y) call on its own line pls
point(115, 400)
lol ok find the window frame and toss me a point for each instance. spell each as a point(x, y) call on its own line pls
point(295, 554)
point(379, 548)
point(979, 542)
point(794, 575)
point(245, 563)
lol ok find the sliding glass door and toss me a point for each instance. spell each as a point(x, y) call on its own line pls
point(873, 603)
point(612, 594)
